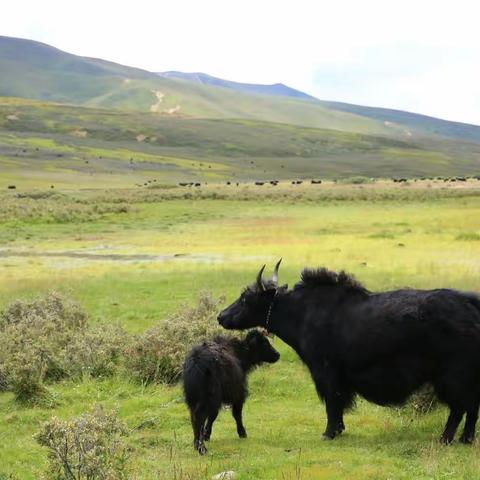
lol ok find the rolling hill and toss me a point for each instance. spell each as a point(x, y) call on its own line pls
point(86, 121)
point(34, 70)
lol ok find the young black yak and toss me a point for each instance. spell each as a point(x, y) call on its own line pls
point(215, 373)
point(383, 346)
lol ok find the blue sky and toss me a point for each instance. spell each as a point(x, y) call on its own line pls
point(422, 56)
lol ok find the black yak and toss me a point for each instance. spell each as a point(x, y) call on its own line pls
point(215, 373)
point(382, 346)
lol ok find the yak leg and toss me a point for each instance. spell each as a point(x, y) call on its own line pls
point(468, 434)
point(208, 429)
point(328, 387)
point(335, 424)
point(237, 415)
point(198, 417)
point(453, 421)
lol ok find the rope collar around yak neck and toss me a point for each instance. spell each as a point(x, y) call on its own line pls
point(269, 313)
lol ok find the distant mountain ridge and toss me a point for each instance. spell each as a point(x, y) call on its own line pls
point(34, 70)
point(258, 89)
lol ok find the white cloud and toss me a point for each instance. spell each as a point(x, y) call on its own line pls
point(413, 55)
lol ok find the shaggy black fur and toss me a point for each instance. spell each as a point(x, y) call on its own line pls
point(383, 346)
point(215, 373)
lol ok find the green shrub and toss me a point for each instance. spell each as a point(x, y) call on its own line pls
point(95, 353)
point(48, 339)
point(88, 447)
point(158, 354)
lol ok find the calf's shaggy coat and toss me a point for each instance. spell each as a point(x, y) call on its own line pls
point(383, 346)
point(215, 373)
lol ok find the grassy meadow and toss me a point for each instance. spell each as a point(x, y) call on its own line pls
point(131, 257)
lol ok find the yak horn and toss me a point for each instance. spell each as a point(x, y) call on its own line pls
point(275, 272)
point(259, 279)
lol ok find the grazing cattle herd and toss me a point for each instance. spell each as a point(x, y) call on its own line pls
point(381, 346)
point(260, 183)
point(313, 181)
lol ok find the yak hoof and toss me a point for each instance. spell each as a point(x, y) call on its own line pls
point(202, 450)
point(242, 434)
point(328, 436)
point(446, 440)
point(466, 440)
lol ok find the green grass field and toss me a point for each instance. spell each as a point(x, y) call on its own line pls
point(132, 257)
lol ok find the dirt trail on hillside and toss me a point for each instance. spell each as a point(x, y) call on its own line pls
point(155, 108)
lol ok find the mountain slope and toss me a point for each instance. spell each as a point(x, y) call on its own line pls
point(415, 121)
point(278, 89)
point(37, 71)
point(34, 70)
point(43, 144)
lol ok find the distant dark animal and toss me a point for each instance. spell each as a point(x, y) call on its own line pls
point(12, 187)
point(215, 373)
point(383, 346)
point(197, 184)
point(259, 183)
point(316, 182)
point(229, 183)
point(52, 186)
point(183, 184)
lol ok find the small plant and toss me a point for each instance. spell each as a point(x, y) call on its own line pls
point(357, 180)
point(88, 447)
point(468, 236)
point(425, 400)
point(157, 355)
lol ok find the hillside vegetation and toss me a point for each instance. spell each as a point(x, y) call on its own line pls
point(37, 71)
point(44, 144)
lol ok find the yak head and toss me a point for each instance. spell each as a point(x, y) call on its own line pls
point(252, 308)
point(260, 349)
